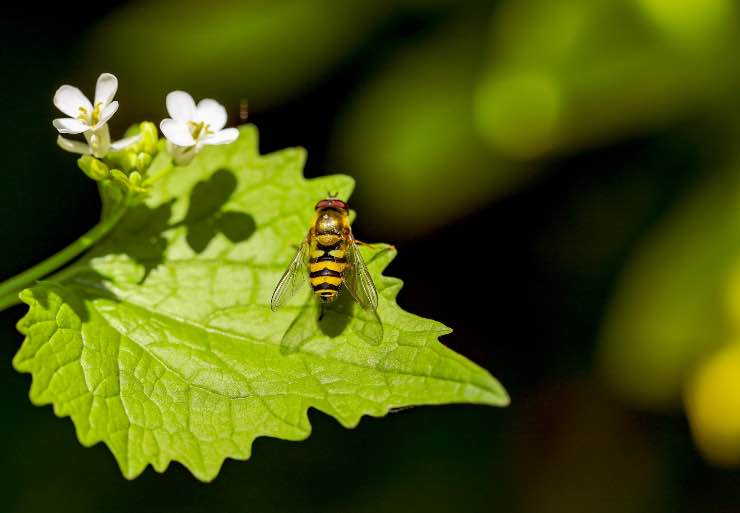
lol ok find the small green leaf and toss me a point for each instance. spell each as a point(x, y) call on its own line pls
point(163, 344)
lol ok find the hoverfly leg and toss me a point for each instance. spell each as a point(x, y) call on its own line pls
point(386, 246)
point(321, 311)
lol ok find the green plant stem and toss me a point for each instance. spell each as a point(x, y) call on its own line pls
point(8, 301)
point(10, 288)
point(159, 174)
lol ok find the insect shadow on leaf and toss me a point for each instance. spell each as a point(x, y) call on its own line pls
point(335, 316)
point(206, 218)
point(331, 320)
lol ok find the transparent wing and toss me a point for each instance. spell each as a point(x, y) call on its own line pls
point(357, 279)
point(303, 327)
point(294, 277)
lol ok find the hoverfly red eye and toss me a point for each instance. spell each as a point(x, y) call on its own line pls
point(331, 203)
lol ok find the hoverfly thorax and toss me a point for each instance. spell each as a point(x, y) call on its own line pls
point(328, 227)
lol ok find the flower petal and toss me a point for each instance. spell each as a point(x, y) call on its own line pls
point(105, 89)
point(212, 113)
point(226, 136)
point(73, 146)
point(70, 126)
point(125, 142)
point(176, 132)
point(180, 106)
point(69, 99)
point(107, 113)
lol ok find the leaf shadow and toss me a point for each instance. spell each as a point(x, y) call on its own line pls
point(203, 221)
point(149, 224)
point(205, 217)
point(89, 284)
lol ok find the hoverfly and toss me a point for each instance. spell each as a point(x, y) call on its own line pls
point(328, 257)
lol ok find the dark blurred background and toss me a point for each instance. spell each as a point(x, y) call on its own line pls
point(582, 155)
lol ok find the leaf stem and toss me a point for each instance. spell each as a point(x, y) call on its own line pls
point(10, 288)
point(158, 173)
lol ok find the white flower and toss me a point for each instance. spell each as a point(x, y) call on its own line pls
point(190, 126)
point(89, 119)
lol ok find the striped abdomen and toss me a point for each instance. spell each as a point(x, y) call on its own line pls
point(325, 268)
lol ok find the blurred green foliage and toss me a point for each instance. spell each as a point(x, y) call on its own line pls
point(409, 136)
point(263, 51)
point(446, 121)
point(670, 308)
point(575, 73)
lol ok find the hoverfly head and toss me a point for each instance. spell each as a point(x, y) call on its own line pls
point(332, 203)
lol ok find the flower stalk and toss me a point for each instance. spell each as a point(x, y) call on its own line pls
point(9, 289)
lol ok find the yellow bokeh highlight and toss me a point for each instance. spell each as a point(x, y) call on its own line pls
point(518, 114)
point(688, 19)
point(712, 402)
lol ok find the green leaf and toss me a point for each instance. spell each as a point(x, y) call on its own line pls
point(163, 345)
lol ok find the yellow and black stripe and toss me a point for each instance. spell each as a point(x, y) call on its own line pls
point(326, 266)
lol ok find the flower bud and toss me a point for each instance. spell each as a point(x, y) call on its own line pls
point(149, 138)
point(131, 182)
point(134, 178)
point(94, 168)
point(119, 177)
point(142, 161)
